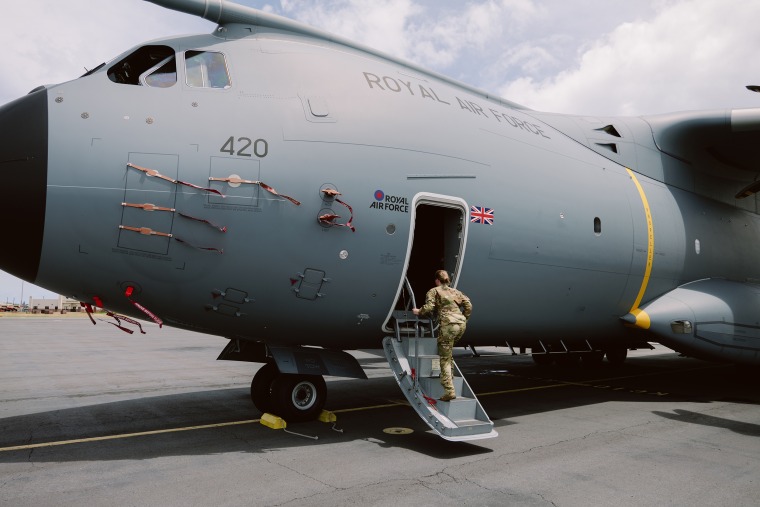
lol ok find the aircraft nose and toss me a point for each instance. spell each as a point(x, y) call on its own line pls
point(23, 173)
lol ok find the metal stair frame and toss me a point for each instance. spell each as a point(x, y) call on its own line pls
point(461, 419)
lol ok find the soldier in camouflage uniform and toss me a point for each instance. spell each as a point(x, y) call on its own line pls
point(447, 303)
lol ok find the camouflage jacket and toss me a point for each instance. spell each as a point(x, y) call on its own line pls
point(447, 302)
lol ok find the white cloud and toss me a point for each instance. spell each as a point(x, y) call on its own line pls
point(692, 53)
point(617, 58)
point(435, 34)
point(55, 41)
point(381, 25)
point(531, 59)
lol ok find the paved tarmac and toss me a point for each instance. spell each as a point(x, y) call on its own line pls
point(92, 416)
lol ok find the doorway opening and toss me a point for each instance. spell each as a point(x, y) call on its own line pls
point(437, 241)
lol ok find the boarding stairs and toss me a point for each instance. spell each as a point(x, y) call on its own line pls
point(413, 357)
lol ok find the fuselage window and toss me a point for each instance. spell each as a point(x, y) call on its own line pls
point(206, 69)
point(597, 226)
point(129, 69)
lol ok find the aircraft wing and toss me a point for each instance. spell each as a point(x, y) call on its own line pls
point(723, 143)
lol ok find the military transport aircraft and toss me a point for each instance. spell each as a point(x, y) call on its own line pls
point(294, 192)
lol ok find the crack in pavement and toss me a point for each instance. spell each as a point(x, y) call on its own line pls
point(539, 495)
point(281, 465)
point(448, 474)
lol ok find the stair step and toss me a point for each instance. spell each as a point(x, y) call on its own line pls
point(433, 388)
point(427, 366)
point(461, 423)
point(458, 409)
point(421, 346)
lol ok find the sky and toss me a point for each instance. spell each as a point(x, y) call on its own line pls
point(589, 57)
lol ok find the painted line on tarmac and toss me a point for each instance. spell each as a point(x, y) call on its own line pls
point(534, 388)
point(358, 409)
point(126, 435)
point(171, 430)
point(650, 374)
point(338, 411)
point(253, 421)
point(594, 382)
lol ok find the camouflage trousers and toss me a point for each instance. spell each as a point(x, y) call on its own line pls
point(448, 335)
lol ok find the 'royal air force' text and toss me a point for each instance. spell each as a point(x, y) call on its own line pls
point(397, 85)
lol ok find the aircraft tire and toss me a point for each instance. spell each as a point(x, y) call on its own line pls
point(616, 355)
point(261, 387)
point(299, 397)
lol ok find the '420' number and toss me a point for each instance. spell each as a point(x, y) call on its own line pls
point(244, 147)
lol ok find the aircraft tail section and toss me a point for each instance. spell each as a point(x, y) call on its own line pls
point(413, 357)
point(711, 318)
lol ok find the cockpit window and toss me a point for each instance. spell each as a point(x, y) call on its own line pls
point(129, 69)
point(164, 76)
point(206, 69)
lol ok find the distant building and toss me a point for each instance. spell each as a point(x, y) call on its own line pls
point(55, 305)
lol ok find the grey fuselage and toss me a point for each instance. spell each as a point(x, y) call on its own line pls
point(577, 240)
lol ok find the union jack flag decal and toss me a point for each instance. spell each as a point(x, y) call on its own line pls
point(481, 215)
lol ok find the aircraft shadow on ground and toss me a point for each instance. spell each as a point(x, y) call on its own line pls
point(687, 416)
point(668, 382)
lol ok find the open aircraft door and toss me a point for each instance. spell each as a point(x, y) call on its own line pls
point(437, 240)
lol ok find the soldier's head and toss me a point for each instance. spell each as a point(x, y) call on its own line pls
point(442, 277)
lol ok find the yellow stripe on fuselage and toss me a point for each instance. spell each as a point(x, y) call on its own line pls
point(650, 241)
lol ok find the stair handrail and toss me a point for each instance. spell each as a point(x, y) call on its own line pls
point(411, 292)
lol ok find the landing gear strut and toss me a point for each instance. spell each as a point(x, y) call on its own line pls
point(293, 397)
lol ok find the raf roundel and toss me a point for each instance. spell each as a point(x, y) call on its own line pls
point(379, 195)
